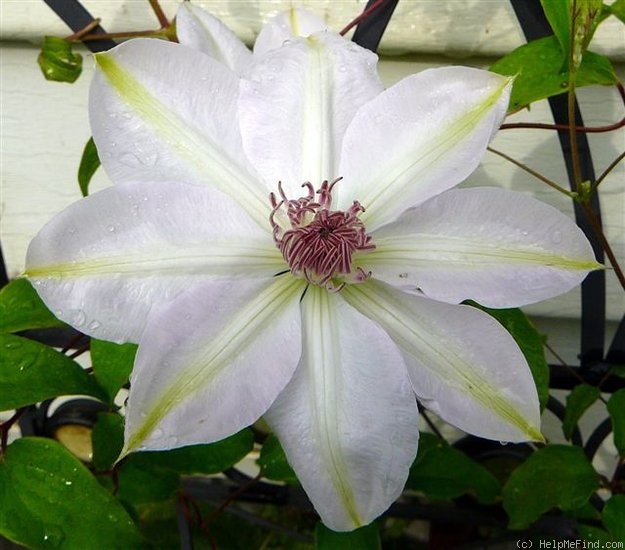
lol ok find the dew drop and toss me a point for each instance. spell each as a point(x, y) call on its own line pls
point(93, 325)
point(157, 434)
point(79, 318)
point(503, 443)
point(342, 68)
point(13, 345)
point(111, 228)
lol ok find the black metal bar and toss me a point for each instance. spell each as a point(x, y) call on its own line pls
point(76, 17)
point(616, 352)
point(368, 33)
point(4, 276)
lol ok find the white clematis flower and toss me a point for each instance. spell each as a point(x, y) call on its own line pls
point(287, 244)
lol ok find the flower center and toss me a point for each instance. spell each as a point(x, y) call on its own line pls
point(316, 242)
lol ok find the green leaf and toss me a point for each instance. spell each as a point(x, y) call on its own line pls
point(112, 364)
point(107, 439)
point(577, 402)
point(89, 163)
point(537, 66)
point(365, 538)
point(530, 342)
point(594, 535)
point(614, 517)
point(442, 472)
point(50, 500)
point(22, 309)
point(554, 476)
point(138, 485)
point(57, 60)
point(618, 370)
point(618, 9)
point(154, 476)
point(31, 372)
point(616, 408)
point(559, 16)
point(211, 458)
point(273, 463)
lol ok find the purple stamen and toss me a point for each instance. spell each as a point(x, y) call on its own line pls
point(321, 242)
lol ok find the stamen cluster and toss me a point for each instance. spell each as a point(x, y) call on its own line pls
point(318, 243)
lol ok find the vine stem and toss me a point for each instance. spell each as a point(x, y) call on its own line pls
point(6, 426)
point(571, 98)
point(127, 34)
point(612, 166)
point(233, 496)
point(84, 31)
point(160, 14)
point(537, 175)
point(596, 226)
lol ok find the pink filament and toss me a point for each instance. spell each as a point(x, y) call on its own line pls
point(321, 242)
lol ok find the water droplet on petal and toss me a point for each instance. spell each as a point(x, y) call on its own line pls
point(79, 318)
point(111, 228)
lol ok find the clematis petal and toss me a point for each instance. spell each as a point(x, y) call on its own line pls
point(348, 420)
point(424, 135)
point(295, 104)
point(462, 363)
point(163, 112)
point(212, 361)
point(285, 26)
point(101, 264)
point(500, 248)
point(198, 29)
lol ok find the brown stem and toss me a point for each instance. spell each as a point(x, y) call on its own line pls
point(231, 498)
point(6, 426)
point(126, 34)
point(571, 99)
point(596, 226)
point(82, 32)
point(160, 14)
point(537, 175)
point(584, 129)
point(362, 16)
point(612, 166)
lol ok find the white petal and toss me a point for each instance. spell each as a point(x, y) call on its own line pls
point(463, 364)
point(198, 29)
point(422, 136)
point(348, 419)
point(163, 112)
point(286, 25)
point(295, 104)
point(102, 263)
point(497, 247)
point(211, 362)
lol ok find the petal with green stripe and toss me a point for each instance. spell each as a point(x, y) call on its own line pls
point(101, 264)
point(163, 112)
point(463, 364)
point(424, 135)
point(212, 361)
point(500, 248)
point(348, 419)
